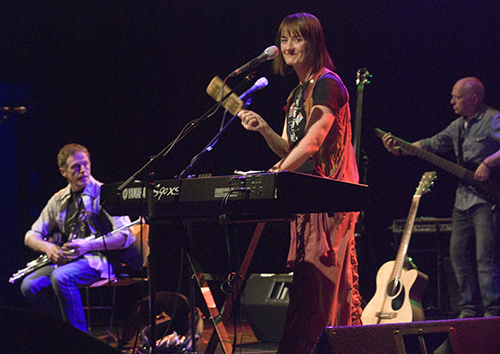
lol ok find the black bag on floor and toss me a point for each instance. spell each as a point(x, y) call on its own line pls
point(168, 340)
point(173, 324)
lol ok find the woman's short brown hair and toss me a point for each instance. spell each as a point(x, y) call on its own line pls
point(309, 27)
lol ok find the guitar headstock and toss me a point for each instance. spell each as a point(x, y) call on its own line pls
point(362, 77)
point(425, 183)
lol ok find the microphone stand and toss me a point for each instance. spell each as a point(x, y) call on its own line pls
point(185, 131)
point(150, 207)
point(5, 117)
point(210, 145)
point(9, 110)
point(185, 174)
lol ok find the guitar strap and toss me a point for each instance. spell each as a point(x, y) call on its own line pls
point(75, 205)
point(460, 145)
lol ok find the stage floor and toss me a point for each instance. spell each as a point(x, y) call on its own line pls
point(246, 342)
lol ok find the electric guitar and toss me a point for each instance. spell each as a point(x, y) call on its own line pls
point(489, 189)
point(399, 290)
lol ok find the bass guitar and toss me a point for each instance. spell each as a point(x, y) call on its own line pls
point(362, 79)
point(489, 189)
point(399, 290)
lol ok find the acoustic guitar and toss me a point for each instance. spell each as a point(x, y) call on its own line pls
point(399, 290)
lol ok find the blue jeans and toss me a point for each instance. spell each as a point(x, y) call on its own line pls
point(474, 253)
point(49, 288)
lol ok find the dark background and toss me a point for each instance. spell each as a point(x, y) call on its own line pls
point(123, 78)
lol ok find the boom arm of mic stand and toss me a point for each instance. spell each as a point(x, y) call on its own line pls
point(134, 176)
point(209, 146)
point(163, 153)
point(184, 132)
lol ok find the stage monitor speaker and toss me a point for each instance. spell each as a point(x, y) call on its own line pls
point(264, 303)
point(464, 336)
point(25, 331)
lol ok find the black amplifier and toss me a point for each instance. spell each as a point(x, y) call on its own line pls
point(423, 225)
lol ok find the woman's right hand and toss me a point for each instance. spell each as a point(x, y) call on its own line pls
point(252, 121)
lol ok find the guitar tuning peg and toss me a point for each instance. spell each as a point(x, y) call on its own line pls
point(369, 76)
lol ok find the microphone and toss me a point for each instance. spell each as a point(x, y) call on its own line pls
point(20, 110)
point(268, 54)
point(259, 84)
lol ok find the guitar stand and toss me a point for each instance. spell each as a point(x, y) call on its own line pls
point(219, 335)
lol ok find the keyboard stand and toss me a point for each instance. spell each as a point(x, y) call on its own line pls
point(219, 335)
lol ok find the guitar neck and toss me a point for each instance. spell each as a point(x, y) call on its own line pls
point(440, 162)
point(405, 239)
point(488, 189)
point(359, 112)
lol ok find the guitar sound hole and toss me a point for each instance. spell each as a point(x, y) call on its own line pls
point(398, 302)
point(393, 288)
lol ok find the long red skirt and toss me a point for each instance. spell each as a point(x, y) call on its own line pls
point(324, 291)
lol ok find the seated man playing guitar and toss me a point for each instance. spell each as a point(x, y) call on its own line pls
point(475, 238)
point(75, 211)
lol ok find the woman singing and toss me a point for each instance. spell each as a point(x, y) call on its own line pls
point(316, 139)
